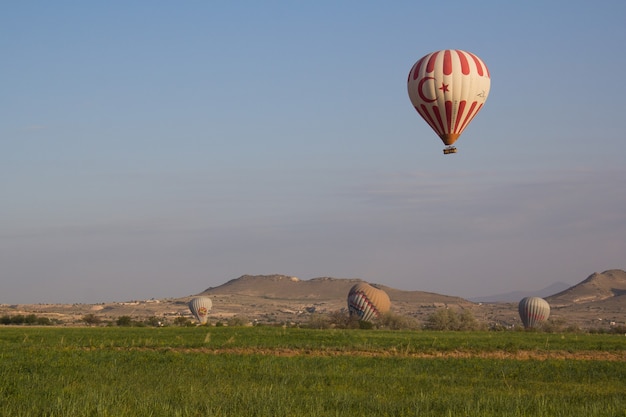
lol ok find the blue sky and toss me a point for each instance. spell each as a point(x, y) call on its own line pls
point(155, 149)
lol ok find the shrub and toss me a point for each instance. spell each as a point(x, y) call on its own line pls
point(397, 322)
point(126, 321)
point(182, 322)
point(154, 321)
point(238, 321)
point(91, 319)
point(552, 325)
point(318, 321)
point(342, 319)
point(448, 319)
point(30, 319)
point(44, 321)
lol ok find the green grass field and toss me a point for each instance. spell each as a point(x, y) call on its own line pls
point(267, 371)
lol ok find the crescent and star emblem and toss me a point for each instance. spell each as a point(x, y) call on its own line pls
point(420, 89)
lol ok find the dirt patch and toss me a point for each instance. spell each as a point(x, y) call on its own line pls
point(618, 356)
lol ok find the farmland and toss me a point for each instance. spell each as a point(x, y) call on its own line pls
point(274, 371)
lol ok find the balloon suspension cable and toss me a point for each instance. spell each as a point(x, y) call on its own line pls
point(449, 150)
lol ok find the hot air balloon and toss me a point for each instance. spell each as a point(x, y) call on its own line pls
point(533, 310)
point(200, 307)
point(448, 88)
point(367, 302)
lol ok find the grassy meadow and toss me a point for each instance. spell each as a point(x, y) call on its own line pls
point(270, 371)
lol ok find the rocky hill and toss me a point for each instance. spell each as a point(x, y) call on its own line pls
point(285, 287)
point(282, 287)
point(272, 298)
point(608, 286)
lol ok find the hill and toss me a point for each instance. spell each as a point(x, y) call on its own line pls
point(608, 286)
point(272, 298)
point(285, 287)
point(282, 287)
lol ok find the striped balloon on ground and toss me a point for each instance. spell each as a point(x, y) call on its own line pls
point(533, 310)
point(448, 88)
point(200, 307)
point(367, 302)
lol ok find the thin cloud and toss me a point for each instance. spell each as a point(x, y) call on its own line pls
point(561, 202)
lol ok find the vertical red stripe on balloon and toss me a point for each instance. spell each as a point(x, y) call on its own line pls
point(430, 67)
point(470, 114)
point(459, 115)
point(441, 128)
point(473, 114)
point(479, 64)
point(465, 69)
point(448, 117)
point(423, 111)
point(447, 62)
point(416, 68)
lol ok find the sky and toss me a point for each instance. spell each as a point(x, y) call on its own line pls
point(153, 149)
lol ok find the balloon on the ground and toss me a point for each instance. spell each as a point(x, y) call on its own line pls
point(367, 302)
point(448, 88)
point(200, 307)
point(533, 310)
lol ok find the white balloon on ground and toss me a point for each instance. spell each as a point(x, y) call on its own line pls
point(533, 310)
point(200, 308)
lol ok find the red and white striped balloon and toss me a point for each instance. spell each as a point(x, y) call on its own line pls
point(448, 88)
point(367, 302)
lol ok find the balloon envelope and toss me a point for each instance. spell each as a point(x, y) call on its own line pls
point(200, 307)
point(448, 88)
point(367, 302)
point(533, 310)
